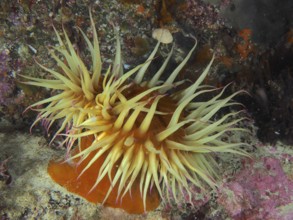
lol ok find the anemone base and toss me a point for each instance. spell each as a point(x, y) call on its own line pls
point(66, 175)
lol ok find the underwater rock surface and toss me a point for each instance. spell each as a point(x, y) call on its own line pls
point(262, 188)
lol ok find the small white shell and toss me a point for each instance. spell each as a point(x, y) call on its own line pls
point(162, 35)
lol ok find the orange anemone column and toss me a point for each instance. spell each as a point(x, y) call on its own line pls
point(66, 175)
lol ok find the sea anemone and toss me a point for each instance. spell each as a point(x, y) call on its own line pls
point(143, 136)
